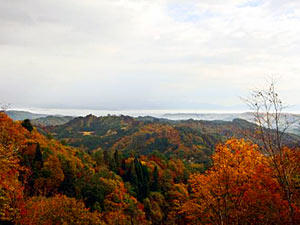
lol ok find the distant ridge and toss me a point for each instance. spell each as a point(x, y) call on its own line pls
point(39, 119)
point(22, 115)
point(209, 116)
point(293, 119)
point(51, 120)
point(192, 140)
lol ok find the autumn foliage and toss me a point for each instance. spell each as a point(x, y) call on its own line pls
point(240, 188)
point(57, 210)
point(43, 181)
point(11, 189)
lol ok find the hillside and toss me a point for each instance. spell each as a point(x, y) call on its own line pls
point(39, 119)
point(189, 140)
point(51, 120)
point(22, 115)
point(45, 182)
point(137, 171)
point(293, 119)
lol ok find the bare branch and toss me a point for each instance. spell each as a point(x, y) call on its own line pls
point(272, 124)
point(4, 107)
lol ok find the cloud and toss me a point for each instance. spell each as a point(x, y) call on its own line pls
point(141, 54)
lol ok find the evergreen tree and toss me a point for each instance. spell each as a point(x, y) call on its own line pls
point(117, 160)
point(38, 154)
point(146, 179)
point(26, 124)
point(142, 180)
point(155, 182)
point(123, 165)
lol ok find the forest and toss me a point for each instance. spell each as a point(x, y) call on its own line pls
point(149, 112)
point(123, 170)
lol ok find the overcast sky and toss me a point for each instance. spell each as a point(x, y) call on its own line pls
point(146, 54)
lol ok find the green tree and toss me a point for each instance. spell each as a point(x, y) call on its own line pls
point(155, 182)
point(27, 124)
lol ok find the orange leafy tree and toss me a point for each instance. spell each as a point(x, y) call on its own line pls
point(239, 188)
point(11, 190)
point(121, 208)
point(58, 210)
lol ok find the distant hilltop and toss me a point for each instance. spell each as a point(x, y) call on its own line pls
point(22, 115)
point(291, 118)
point(39, 119)
point(53, 120)
point(209, 116)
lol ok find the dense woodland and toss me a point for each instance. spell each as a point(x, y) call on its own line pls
point(121, 170)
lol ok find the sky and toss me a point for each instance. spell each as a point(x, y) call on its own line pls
point(147, 54)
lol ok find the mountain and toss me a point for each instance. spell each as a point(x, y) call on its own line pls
point(39, 119)
point(143, 171)
point(45, 182)
point(190, 140)
point(22, 115)
point(208, 116)
point(293, 119)
point(51, 120)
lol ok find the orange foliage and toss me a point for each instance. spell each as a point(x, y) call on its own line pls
point(120, 207)
point(157, 131)
point(11, 190)
point(44, 186)
point(177, 197)
point(57, 210)
point(17, 152)
point(289, 164)
point(239, 188)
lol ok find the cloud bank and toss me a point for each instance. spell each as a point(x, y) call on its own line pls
point(142, 54)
